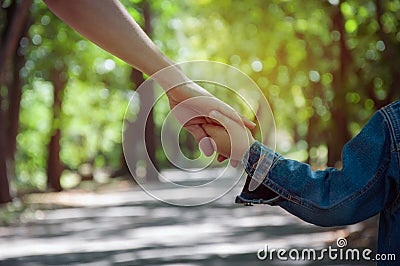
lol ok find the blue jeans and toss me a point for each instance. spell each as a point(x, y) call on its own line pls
point(368, 183)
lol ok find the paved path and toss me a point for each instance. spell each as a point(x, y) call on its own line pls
point(131, 228)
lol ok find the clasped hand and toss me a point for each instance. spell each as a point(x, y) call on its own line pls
point(214, 124)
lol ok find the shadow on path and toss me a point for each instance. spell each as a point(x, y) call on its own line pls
point(130, 228)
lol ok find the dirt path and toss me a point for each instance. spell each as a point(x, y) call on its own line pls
point(131, 228)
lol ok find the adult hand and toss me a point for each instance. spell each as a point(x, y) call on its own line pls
point(119, 34)
point(191, 105)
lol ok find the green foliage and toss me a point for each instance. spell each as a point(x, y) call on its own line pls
point(94, 101)
point(11, 212)
point(291, 49)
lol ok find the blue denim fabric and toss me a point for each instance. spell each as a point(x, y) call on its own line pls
point(368, 183)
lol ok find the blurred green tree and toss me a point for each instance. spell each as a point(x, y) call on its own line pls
point(325, 67)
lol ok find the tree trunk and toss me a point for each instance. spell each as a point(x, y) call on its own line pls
point(150, 137)
point(15, 94)
point(389, 54)
point(146, 98)
point(5, 195)
point(16, 19)
point(136, 78)
point(338, 131)
point(54, 165)
point(16, 24)
point(150, 126)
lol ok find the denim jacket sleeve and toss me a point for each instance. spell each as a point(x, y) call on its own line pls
point(367, 183)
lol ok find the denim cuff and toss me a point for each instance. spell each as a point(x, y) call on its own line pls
point(258, 160)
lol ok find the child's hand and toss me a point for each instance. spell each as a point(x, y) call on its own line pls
point(232, 139)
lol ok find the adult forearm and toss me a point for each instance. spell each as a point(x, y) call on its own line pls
point(109, 25)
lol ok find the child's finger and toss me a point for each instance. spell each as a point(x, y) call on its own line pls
point(201, 137)
point(248, 123)
point(239, 140)
point(234, 163)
